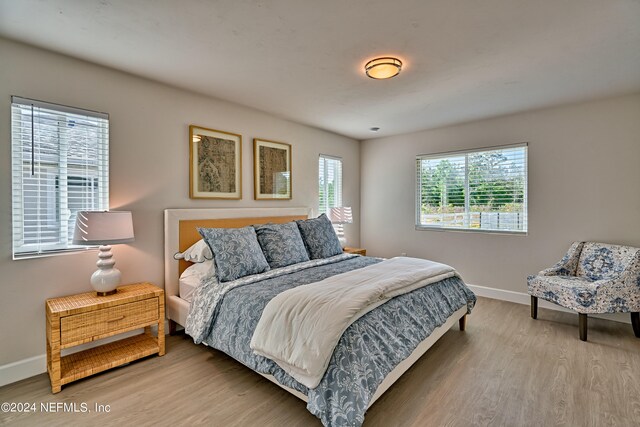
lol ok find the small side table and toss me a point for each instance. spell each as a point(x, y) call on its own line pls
point(82, 318)
point(357, 251)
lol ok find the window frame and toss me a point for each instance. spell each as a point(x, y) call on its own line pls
point(340, 192)
point(95, 167)
point(418, 207)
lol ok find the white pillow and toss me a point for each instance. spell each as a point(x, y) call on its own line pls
point(202, 270)
point(198, 252)
point(192, 277)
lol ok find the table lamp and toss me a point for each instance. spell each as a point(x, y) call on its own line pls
point(104, 228)
point(341, 215)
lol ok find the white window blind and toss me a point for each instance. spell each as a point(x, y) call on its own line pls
point(476, 190)
point(60, 165)
point(330, 180)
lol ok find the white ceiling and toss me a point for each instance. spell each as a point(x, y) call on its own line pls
point(303, 60)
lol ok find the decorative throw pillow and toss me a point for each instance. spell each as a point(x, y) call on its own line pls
point(236, 252)
point(281, 243)
point(319, 237)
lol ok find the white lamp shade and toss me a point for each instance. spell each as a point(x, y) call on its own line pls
point(103, 228)
point(341, 215)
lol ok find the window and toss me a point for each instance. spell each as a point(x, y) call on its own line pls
point(60, 165)
point(330, 179)
point(480, 190)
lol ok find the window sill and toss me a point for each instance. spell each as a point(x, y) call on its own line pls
point(471, 230)
point(54, 252)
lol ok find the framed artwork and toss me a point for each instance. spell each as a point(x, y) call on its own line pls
point(215, 164)
point(271, 170)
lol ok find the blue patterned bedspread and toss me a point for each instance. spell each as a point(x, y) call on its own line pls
point(368, 350)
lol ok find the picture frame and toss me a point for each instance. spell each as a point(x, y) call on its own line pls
point(272, 170)
point(215, 164)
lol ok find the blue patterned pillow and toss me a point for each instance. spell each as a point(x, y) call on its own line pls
point(236, 252)
point(319, 237)
point(281, 243)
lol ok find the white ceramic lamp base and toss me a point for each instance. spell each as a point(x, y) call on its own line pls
point(106, 279)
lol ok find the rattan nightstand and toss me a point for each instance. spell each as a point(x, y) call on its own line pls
point(82, 318)
point(357, 251)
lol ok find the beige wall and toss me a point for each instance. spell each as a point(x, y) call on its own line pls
point(584, 184)
point(148, 173)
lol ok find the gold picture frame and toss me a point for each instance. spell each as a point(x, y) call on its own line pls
point(215, 164)
point(272, 170)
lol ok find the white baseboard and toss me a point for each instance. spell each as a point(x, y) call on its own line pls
point(25, 368)
point(36, 365)
point(523, 298)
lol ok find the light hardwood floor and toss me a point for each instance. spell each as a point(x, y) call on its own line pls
point(505, 370)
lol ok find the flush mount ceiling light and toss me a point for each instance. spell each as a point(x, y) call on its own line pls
point(383, 68)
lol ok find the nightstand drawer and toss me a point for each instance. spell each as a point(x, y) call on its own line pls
point(96, 324)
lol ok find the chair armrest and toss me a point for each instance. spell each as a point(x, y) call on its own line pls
point(568, 265)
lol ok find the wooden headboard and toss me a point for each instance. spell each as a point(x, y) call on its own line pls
point(180, 231)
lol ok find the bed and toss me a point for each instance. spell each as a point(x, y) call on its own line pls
point(361, 370)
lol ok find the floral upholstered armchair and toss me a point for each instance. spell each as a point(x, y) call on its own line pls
point(592, 278)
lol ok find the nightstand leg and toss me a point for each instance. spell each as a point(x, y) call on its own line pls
point(48, 356)
point(53, 354)
point(54, 369)
point(161, 327)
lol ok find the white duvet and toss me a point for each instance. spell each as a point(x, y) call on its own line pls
point(300, 327)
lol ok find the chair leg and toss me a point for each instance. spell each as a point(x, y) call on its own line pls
point(582, 325)
point(534, 307)
point(635, 322)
